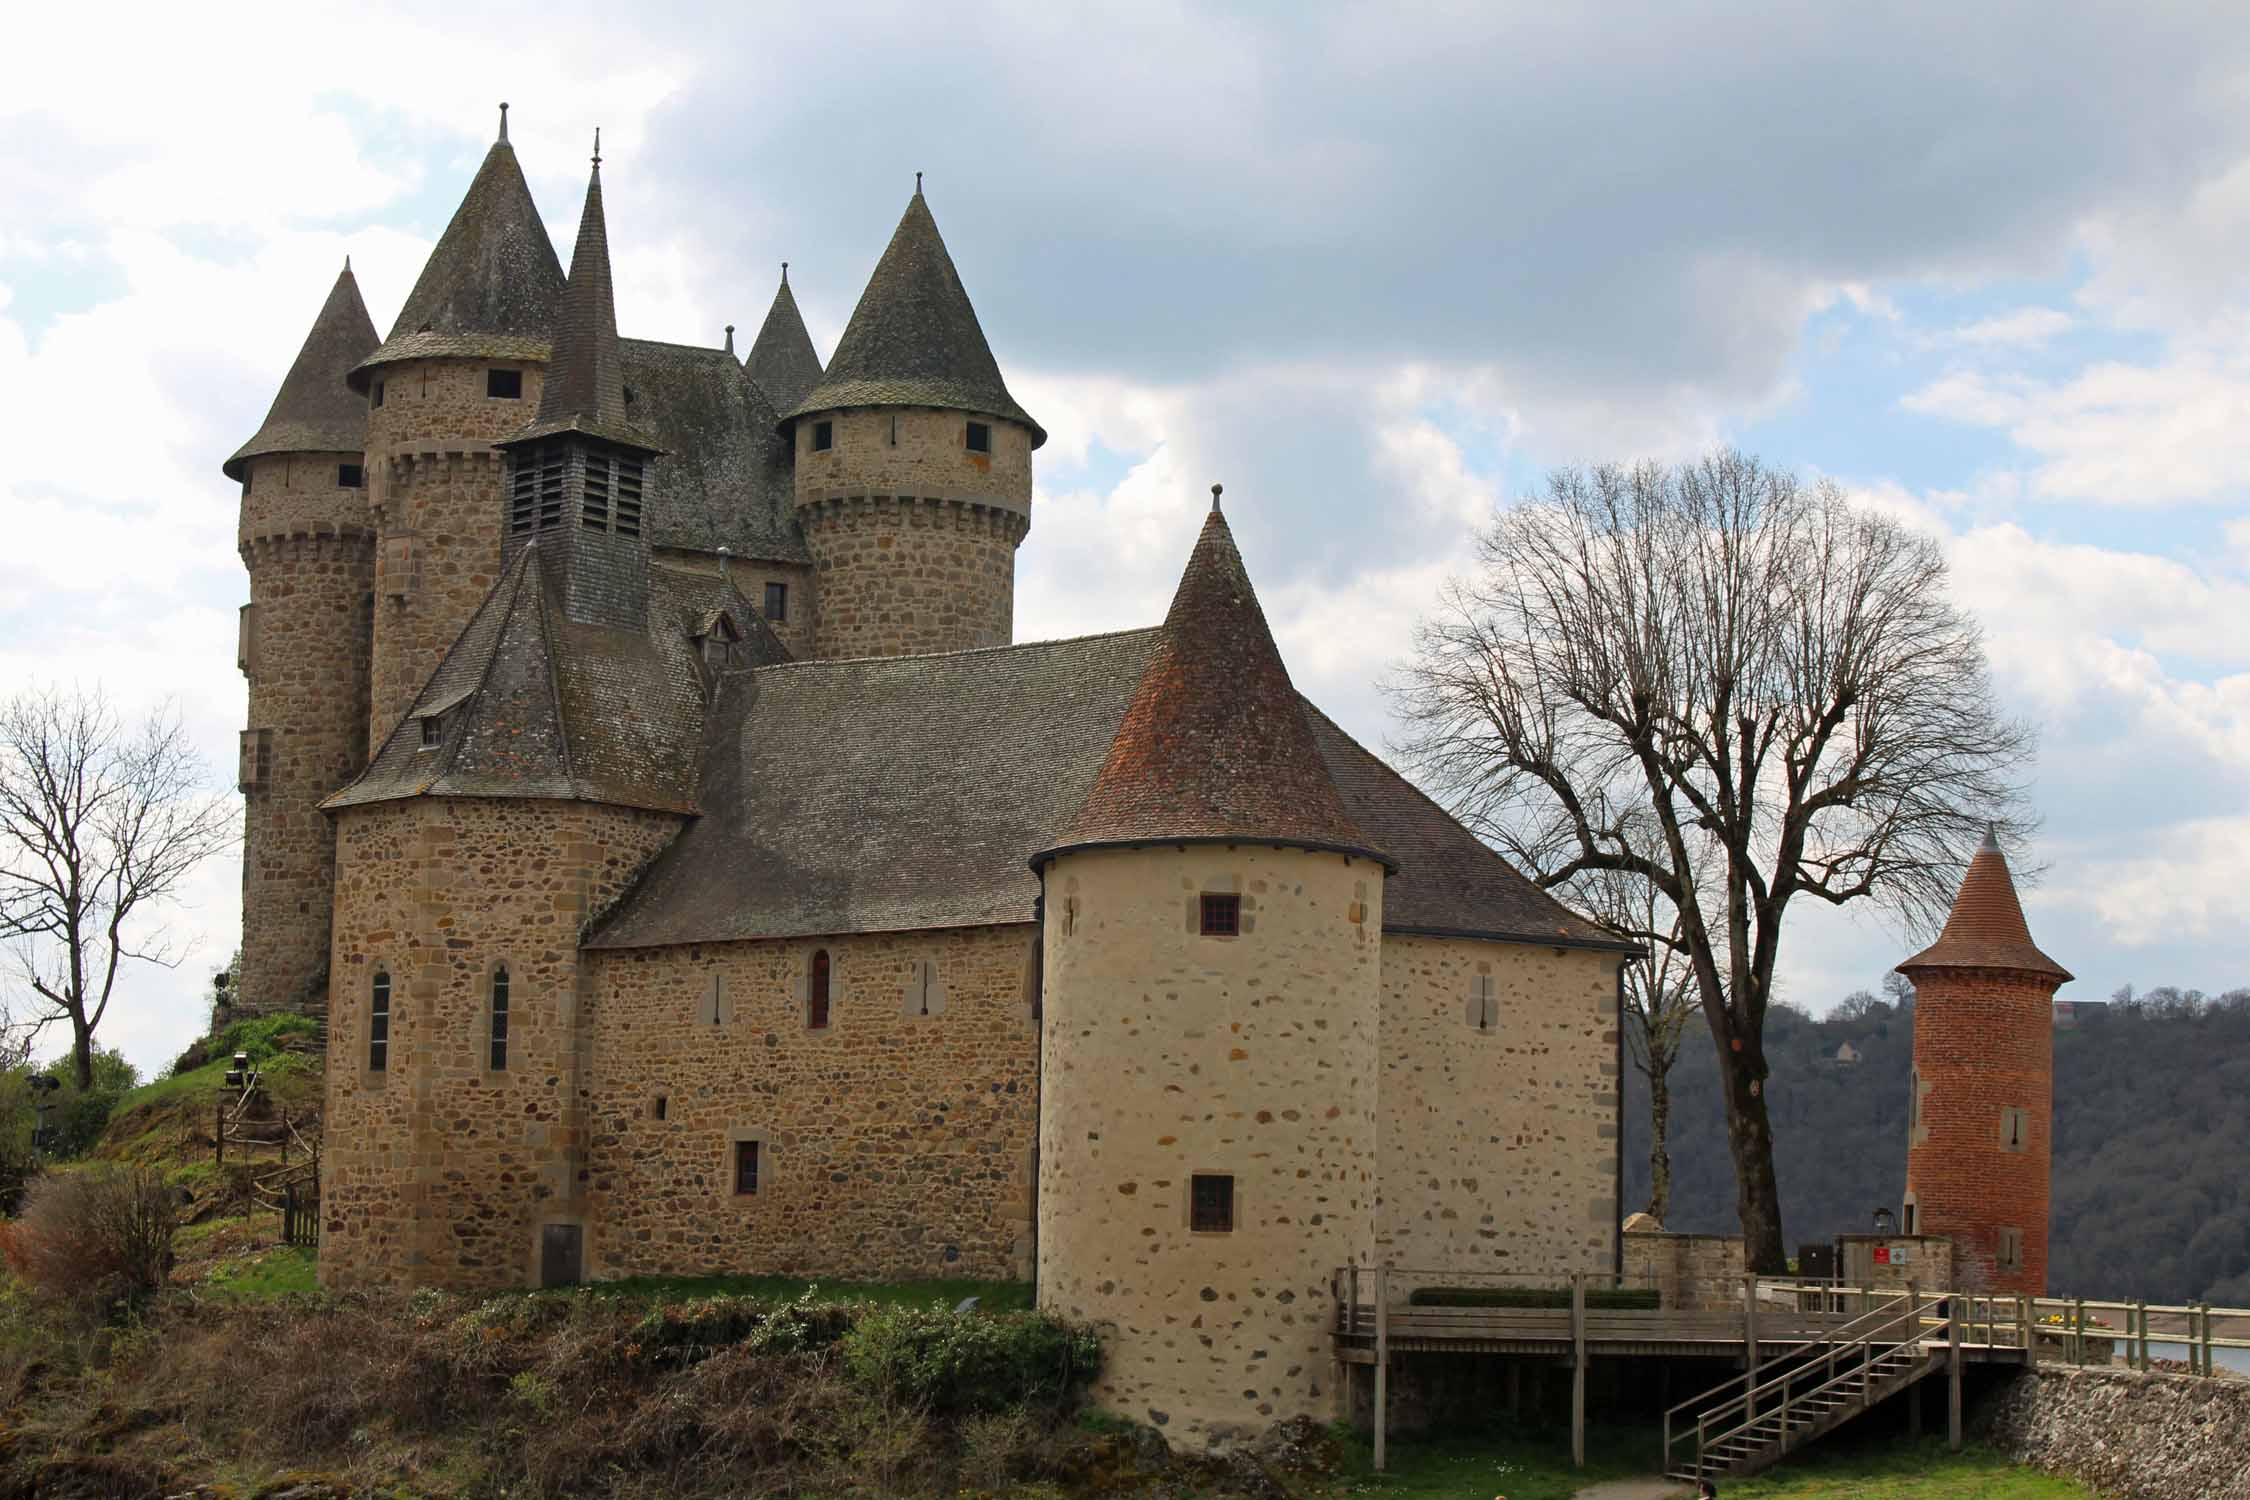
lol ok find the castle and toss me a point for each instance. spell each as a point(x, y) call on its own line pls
point(643, 780)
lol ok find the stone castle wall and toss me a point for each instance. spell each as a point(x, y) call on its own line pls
point(1499, 1144)
point(439, 1170)
point(892, 1143)
point(1691, 1272)
point(2125, 1434)
point(436, 489)
point(303, 647)
point(1167, 1054)
point(1983, 1043)
point(750, 577)
point(914, 537)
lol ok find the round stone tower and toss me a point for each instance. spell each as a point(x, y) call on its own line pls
point(461, 370)
point(1208, 1068)
point(913, 466)
point(1980, 1118)
point(307, 539)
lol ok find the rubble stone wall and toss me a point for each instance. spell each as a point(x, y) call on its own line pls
point(2125, 1434)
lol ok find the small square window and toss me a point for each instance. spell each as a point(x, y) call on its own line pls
point(433, 731)
point(1222, 914)
point(376, 396)
point(504, 385)
point(777, 601)
point(1211, 1203)
point(349, 476)
point(980, 437)
point(823, 436)
point(746, 1169)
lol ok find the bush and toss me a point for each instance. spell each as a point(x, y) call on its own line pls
point(99, 1235)
point(1615, 1299)
point(945, 1361)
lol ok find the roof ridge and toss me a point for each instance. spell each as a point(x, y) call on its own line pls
point(1060, 640)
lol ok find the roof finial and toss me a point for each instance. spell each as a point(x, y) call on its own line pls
point(503, 121)
point(597, 148)
point(917, 184)
point(347, 263)
point(730, 338)
point(1215, 489)
point(1991, 837)
point(785, 273)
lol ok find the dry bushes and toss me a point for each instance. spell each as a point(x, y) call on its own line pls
point(96, 1237)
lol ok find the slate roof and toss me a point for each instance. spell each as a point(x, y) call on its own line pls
point(314, 411)
point(723, 479)
point(585, 385)
point(1214, 746)
point(536, 705)
point(783, 361)
point(490, 288)
point(1986, 929)
point(914, 340)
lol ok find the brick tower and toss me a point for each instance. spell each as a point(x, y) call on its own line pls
point(1208, 1048)
point(307, 539)
point(913, 466)
point(1981, 1114)
point(461, 370)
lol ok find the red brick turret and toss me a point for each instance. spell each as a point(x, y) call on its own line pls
point(1980, 1120)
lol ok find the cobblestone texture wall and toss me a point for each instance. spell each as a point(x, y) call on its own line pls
point(435, 486)
point(914, 537)
point(303, 648)
point(1983, 1043)
point(2125, 1434)
point(1168, 1054)
point(1689, 1271)
point(892, 1143)
point(439, 1170)
point(1499, 1140)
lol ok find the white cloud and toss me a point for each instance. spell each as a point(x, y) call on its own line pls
point(2025, 327)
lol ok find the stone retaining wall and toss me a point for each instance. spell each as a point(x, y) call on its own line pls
point(2132, 1436)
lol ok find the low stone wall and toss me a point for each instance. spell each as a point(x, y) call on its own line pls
point(2132, 1436)
point(1690, 1271)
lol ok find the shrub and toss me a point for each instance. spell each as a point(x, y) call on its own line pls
point(945, 1361)
point(100, 1235)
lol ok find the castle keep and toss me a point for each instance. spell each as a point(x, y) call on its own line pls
point(643, 777)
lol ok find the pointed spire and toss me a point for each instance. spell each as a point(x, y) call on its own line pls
point(783, 362)
point(490, 287)
point(585, 389)
point(1214, 745)
point(314, 411)
point(1986, 929)
point(914, 340)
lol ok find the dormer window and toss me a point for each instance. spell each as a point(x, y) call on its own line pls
point(433, 731)
point(349, 476)
point(980, 437)
point(503, 385)
point(823, 436)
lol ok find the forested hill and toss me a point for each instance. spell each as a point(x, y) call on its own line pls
point(2152, 1140)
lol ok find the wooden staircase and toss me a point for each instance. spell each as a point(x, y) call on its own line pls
point(1758, 1418)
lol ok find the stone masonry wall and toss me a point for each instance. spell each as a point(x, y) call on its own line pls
point(2127, 1435)
point(892, 1143)
point(303, 647)
point(914, 537)
point(1499, 1145)
point(1983, 1042)
point(750, 577)
point(435, 486)
point(1691, 1272)
point(1169, 1054)
point(440, 1170)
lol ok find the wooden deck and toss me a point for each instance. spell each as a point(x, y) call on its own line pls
point(1658, 1333)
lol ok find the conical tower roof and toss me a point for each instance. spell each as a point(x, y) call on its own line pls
point(490, 287)
point(1215, 746)
point(783, 360)
point(914, 340)
point(585, 389)
point(1986, 929)
point(315, 412)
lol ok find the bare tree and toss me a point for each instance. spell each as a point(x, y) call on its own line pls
point(100, 823)
point(1656, 659)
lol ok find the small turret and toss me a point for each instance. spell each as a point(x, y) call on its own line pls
point(1980, 1116)
point(308, 542)
point(913, 465)
point(782, 360)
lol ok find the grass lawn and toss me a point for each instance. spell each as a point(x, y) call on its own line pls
point(1519, 1465)
point(1899, 1470)
point(267, 1274)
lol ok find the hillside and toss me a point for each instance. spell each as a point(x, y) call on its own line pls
point(2152, 1124)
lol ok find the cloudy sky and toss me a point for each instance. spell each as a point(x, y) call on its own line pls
point(1374, 267)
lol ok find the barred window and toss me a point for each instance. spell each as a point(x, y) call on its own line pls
point(379, 1022)
point(500, 1018)
point(816, 991)
point(1211, 1203)
point(746, 1168)
point(1222, 914)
